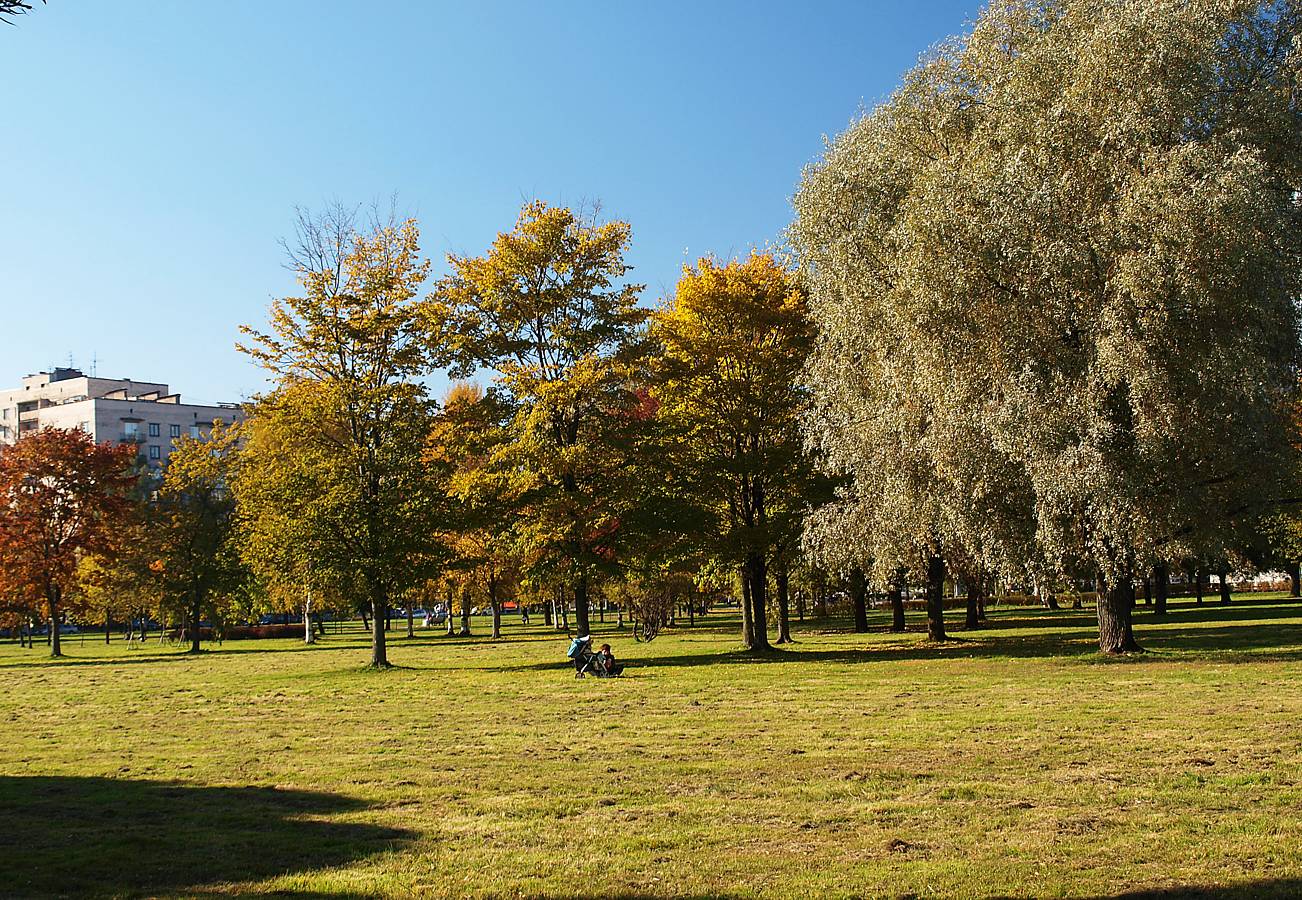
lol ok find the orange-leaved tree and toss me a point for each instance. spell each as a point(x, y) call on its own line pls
point(61, 496)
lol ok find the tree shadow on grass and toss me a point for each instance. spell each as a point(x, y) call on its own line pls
point(1266, 887)
point(114, 837)
point(1257, 642)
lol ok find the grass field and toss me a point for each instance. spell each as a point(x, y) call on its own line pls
point(1013, 761)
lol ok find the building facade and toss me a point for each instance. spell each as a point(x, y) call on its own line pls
point(117, 410)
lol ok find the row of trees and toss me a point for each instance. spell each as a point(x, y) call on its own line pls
point(1055, 281)
point(1038, 327)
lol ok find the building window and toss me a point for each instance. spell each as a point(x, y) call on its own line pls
point(153, 429)
point(84, 426)
point(154, 452)
point(174, 430)
point(131, 429)
point(194, 431)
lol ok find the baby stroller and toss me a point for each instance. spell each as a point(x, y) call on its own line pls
point(586, 662)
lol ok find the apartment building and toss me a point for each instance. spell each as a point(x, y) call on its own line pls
point(145, 413)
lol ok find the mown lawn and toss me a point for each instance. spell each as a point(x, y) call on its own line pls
point(1013, 762)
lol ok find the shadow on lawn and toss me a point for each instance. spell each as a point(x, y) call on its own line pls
point(106, 836)
point(1266, 887)
point(1259, 629)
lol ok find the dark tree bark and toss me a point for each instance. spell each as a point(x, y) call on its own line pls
point(1115, 604)
point(784, 606)
point(747, 624)
point(1148, 591)
point(973, 619)
point(1161, 588)
point(859, 599)
point(108, 625)
point(379, 645)
point(935, 597)
point(895, 595)
point(52, 596)
point(195, 616)
point(1225, 586)
point(758, 571)
point(581, 605)
point(1295, 580)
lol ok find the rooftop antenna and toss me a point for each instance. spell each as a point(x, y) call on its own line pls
point(70, 363)
point(94, 365)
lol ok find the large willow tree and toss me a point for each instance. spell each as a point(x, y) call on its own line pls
point(1055, 280)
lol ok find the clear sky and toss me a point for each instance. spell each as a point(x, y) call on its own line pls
point(154, 151)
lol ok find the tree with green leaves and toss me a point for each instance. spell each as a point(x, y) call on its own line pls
point(350, 413)
point(1055, 280)
point(731, 346)
point(548, 310)
point(192, 532)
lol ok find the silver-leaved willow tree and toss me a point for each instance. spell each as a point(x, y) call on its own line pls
point(1055, 278)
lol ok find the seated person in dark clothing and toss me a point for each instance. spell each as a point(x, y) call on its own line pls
point(606, 660)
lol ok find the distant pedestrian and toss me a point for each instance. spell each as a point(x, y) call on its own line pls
point(524, 614)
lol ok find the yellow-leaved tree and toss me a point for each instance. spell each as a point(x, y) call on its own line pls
point(548, 311)
point(732, 343)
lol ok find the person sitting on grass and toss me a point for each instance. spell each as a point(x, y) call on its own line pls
point(606, 660)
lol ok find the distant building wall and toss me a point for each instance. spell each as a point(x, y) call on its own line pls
point(117, 410)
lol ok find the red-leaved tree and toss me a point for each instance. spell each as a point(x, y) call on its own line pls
point(61, 495)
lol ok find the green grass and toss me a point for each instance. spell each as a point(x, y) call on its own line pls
point(1013, 761)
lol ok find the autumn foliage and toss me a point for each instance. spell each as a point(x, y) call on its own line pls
point(62, 496)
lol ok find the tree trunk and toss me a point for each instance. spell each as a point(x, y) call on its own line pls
point(895, 596)
point(465, 614)
point(1148, 591)
point(1114, 606)
point(1225, 586)
point(1295, 580)
point(1198, 585)
point(581, 605)
point(619, 622)
point(379, 647)
point(784, 606)
point(935, 597)
point(1161, 588)
point(800, 604)
point(496, 606)
point(52, 596)
point(747, 623)
point(108, 624)
point(758, 602)
point(973, 619)
point(196, 613)
point(691, 612)
point(411, 620)
point(859, 599)
point(309, 633)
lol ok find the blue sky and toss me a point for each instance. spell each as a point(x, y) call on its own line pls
point(155, 150)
